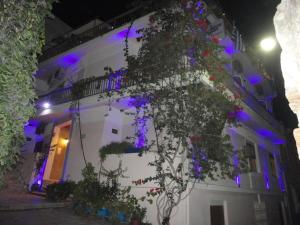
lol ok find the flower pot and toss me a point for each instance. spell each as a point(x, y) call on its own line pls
point(122, 217)
point(135, 222)
point(103, 213)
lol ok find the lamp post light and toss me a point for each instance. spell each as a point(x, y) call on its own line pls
point(268, 44)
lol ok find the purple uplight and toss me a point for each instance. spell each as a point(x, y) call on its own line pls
point(243, 116)
point(132, 33)
point(229, 50)
point(39, 178)
point(265, 133)
point(281, 181)
point(267, 182)
point(255, 79)
point(69, 60)
point(115, 80)
point(238, 180)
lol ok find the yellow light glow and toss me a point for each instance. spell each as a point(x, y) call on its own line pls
point(64, 141)
point(268, 44)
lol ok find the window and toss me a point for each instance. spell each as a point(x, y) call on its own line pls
point(259, 89)
point(217, 215)
point(272, 165)
point(251, 156)
point(237, 66)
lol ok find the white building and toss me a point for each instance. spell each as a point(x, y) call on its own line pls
point(253, 198)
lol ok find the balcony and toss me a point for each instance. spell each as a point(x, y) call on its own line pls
point(94, 86)
point(71, 40)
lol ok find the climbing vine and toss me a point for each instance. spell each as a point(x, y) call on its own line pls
point(21, 41)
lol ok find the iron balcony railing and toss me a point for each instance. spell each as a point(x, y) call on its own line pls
point(93, 86)
point(104, 84)
point(71, 40)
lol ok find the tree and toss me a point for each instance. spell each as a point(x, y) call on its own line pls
point(21, 39)
point(179, 77)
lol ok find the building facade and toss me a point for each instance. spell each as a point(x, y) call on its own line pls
point(256, 197)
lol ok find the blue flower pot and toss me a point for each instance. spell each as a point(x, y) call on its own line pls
point(122, 217)
point(103, 213)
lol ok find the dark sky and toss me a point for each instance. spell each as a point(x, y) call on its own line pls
point(254, 19)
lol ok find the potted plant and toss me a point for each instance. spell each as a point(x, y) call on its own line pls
point(138, 215)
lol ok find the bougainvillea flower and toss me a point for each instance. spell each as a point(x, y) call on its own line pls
point(215, 39)
point(202, 24)
point(205, 53)
point(212, 78)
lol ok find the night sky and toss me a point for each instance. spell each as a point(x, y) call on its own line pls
point(254, 19)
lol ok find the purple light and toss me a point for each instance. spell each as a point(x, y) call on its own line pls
point(115, 80)
point(255, 79)
point(243, 116)
point(46, 105)
point(281, 182)
point(267, 182)
point(196, 165)
point(123, 34)
point(69, 60)
point(238, 180)
point(278, 141)
point(265, 133)
point(39, 178)
point(229, 50)
point(141, 139)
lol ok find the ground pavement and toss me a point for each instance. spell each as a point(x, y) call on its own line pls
point(50, 216)
point(21, 208)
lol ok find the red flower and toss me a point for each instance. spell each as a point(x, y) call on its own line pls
point(212, 78)
point(202, 24)
point(152, 189)
point(205, 53)
point(215, 39)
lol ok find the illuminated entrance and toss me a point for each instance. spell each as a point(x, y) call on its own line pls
point(57, 153)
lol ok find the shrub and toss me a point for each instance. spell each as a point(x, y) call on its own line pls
point(60, 191)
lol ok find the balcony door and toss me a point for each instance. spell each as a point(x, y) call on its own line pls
point(57, 153)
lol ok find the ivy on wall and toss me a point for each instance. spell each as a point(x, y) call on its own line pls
point(21, 40)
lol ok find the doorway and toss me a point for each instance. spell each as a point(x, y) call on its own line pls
point(217, 215)
point(57, 153)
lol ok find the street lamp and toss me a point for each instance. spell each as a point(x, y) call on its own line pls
point(268, 44)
